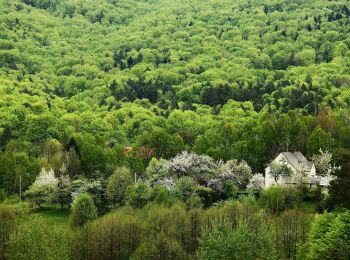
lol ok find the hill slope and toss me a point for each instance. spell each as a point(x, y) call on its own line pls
point(229, 79)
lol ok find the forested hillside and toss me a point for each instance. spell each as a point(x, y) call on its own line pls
point(240, 80)
point(110, 92)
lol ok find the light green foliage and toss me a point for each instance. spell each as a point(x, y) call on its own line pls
point(39, 195)
point(36, 240)
point(83, 210)
point(242, 80)
point(160, 247)
point(172, 231)
point(218, 143)
point(163, 144)
point(319, 139)
point(329, 237)
point(277, 198)
point(221, 241)
point(118, 184)
point(90, 86)
point(40, 128)
point(17, 166)
point(161, 195)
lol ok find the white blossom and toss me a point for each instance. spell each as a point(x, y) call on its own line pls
point(323, 164)
point(46, 178)
point(216, 184)
point(256, 183)
point(199, 167)
point(238, 172)
point(202, 168)
point(167, 183)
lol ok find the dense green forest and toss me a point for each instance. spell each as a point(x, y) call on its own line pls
point(157, 118)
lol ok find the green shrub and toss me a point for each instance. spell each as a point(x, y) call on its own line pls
point(83, 210)
point(118, 184)
point(185, 190)
point(40, 195)
point(160, 247)
point(221, 241)
point(138, 195)
point(13, 199)
point(160, 195)
point(329, 237)
point(278, 198)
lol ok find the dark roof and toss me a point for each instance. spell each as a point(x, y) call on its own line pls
point(298, 160)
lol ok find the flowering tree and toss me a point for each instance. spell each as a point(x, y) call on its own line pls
point(46, 178)
point(217, 184)
point(238, 172)
point(323, 164)
point(93, 187)
point(206, 172)
point(256, 183)
point(199, 167)
point(167, 183)
point(43, 189)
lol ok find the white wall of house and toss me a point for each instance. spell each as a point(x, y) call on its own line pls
point(313, 171)
point(269, 179)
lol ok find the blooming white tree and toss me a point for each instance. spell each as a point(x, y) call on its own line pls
point(167, 183)
point(238, 172)
point(46, 178)
point(43, 189)
point(256, 183)
point(323, 163)
point(217, 184)
point(199, 167)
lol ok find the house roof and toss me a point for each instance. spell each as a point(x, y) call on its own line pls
point(298, 160)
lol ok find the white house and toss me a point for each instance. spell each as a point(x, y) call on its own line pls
point(297, 162)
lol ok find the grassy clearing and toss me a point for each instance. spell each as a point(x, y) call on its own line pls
point(52, 215)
